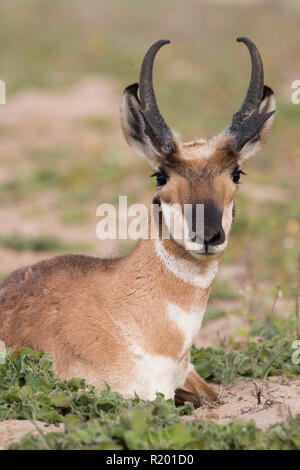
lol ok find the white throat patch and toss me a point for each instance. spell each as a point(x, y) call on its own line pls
point(185, 270)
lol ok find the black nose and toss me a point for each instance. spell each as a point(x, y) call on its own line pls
point(214, 236)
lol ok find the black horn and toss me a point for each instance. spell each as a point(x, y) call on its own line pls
point(156, 127)
point(247, 121)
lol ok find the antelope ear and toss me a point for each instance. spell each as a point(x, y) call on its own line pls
point(136, 130)
point(267, 105)
point(133, 124)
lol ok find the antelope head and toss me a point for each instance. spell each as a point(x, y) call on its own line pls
point(205, 172)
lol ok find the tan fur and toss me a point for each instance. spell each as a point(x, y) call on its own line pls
point(62, 306)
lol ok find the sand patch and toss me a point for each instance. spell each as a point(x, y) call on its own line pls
point(13, 430)
point(278, 400)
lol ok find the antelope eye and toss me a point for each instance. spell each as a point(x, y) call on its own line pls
point(236, 176)
point(161, 178)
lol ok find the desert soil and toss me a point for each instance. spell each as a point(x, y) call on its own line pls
point(13, 430)
point(278, 400)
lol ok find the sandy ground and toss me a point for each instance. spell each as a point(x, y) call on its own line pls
point(218, 330)
point(13, 430)
point(39, 119)
point(277, 402)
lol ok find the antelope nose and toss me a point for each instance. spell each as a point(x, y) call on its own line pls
point(214, 237)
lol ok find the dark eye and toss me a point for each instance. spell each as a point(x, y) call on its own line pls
point(236, 176)
point(161, 178)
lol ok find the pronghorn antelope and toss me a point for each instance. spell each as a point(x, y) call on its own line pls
point(130, 321)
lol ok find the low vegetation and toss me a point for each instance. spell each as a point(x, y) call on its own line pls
point(41, 243)
point(263, 349)
point(105, 420)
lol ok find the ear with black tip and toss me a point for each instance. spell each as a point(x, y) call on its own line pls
point(266, 108)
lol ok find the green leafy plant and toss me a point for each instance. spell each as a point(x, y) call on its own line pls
point(267, 351)
point(154, 427)
point(30, 390)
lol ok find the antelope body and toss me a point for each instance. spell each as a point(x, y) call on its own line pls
point(130, 322)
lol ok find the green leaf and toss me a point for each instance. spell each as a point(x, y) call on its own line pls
point(61, 399)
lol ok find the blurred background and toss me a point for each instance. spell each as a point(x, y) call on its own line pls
point(65, 64)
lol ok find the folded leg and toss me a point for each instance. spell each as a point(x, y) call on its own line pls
point(195, 390)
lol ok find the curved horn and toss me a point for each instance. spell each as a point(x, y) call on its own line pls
point(256, 86)
point(247, 122)
point(156, 126)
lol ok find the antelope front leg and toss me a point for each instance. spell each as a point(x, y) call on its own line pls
point(195, 390)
